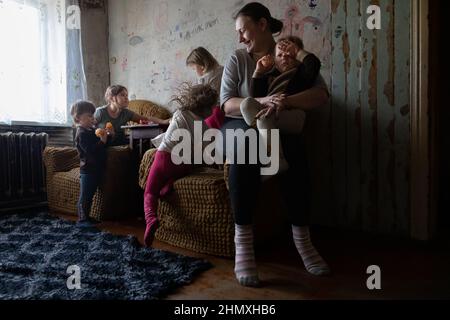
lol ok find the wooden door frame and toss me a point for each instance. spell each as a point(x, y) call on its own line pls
point(423, 211)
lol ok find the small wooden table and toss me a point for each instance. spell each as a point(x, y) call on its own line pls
point(143, 131)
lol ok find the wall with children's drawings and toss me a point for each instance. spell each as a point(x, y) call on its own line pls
point(150, 39)
point(358, 145)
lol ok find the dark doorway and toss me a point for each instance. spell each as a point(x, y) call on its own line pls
point(440, 116)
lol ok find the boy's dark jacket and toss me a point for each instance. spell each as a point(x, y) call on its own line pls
point(91, 149)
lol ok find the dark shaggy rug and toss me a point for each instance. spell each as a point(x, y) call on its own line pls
point(36, 251)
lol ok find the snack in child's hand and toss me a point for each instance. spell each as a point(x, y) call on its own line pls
point(109, 126)
point(100, 132)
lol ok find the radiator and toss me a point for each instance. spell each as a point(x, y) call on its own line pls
point(22, 174)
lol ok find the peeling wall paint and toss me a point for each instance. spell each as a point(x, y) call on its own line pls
point(360, 145)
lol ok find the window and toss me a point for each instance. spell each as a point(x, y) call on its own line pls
point(34, 64)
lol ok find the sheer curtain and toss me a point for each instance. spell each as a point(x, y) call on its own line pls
point(41, 65)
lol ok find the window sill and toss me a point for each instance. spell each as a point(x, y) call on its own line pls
point(34, 124)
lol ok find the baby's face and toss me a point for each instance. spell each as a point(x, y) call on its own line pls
point(284, 60)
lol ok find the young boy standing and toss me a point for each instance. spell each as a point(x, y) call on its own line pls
point(91, 146)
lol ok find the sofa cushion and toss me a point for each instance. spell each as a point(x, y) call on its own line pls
point(196, 215)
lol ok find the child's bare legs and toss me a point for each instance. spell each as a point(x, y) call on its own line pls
point(249, 109)
point(162, 172)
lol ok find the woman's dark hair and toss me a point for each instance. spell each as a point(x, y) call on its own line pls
point(81, 107)
point(295, 40)
point(202, 57)
point(256, 11)
point(198, 99)
point(113, 91)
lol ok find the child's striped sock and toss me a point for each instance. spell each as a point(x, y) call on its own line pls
point(245, 265)
point(311, 258)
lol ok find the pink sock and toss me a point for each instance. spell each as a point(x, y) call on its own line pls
point(150, 230)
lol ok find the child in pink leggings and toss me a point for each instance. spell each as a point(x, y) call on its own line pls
point(197, 104)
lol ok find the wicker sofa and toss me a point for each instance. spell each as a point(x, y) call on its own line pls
point(118, 196)
point(197, 214)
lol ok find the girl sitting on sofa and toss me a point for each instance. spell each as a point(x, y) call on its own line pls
point(196, 104)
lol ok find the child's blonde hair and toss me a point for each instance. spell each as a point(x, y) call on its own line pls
point(198, 99)
point(81, 107)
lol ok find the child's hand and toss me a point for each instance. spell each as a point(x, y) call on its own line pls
point(104, 138)
point(102, 134)
point(110, 129)
point(264, 64)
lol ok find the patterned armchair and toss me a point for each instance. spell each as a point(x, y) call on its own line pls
point(113, 200)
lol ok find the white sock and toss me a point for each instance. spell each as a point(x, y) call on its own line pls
point(311, 258)
point(245, 265)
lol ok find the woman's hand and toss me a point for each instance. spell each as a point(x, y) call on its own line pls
point(268, 101)
point(275, 103)
point(264, 64)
